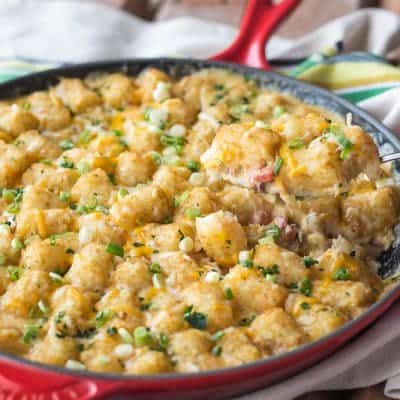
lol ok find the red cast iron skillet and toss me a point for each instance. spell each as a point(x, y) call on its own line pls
point(22, 379)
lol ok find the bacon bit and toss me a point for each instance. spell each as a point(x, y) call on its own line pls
point(263, 175)
point(281, 221)
point(290, 233)
point(260, 217)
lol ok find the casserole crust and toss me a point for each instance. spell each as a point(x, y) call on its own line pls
point(152, 225)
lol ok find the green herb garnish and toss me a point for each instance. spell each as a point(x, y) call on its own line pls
point(176, 142)
point(305, 287)
point(247, 320)
point(344, 144)
point(65, 196)
point(341, 274)
point(278, 111)
point(142, 336)
point(195, 319)
point(66, 144)
point(14, 273)
point(84, 137)
point(31, 332)
point(305, 306)
point(193, 213)
point(193, 166)
point(155, 268)
point(309, 261)
point(278, 165)
point(216, 351)
point(66, 163)
point(296, 143)
point(102, 317)
point(228, 293)
point(115, 249)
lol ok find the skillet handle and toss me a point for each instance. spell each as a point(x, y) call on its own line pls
point(259, 21)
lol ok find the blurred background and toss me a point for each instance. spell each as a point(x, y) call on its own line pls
point(303, 20)
point(310, 15)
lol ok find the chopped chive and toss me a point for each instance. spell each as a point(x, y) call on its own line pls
point(247, 320)
point(84, 137)
point(177, 142)
point(271, 278)
point(278, 165)
point(278, 111)
point(193, 166)
point(163, 341)
point(341, 274)
point(117, 132)
point(216, 351)
point(142, 336)
point(296, 143)
point(305, 306)
point(272, 233)
point(228, 293)
point(112, 331)
point(64, 196)
point(102, 317)
point(217, 336)
point(66, 163)
point(66, 144)
point(309, 261)
point(193, 213)
point(115, 249)
point(344, 143)
point(17, 244)
point(196, 319)
point(125, 335)
point(82, 209)
point(306, 287)
point(31, 332)
point(123, 192)
point(13, 208)
point(167, 220)
point(14, 273)
point(155, 268)
point(82, 167)
point(246, 263)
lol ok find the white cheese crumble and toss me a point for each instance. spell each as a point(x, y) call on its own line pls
point(197, 179)
point(162, 91)
point(209, 118)
point(186, 244)
point(177, 130)
point(158, 117)
point(123, 350)
point(73, 364)
point(212, 277)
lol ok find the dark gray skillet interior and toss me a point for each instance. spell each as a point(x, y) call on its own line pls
point(386, 140)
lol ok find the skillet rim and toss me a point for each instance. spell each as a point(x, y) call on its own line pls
point(42, 80)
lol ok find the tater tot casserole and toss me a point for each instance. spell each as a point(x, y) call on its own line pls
point(152, 225)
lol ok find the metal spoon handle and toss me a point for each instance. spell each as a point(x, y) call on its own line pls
point(390, 157)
